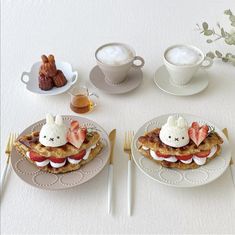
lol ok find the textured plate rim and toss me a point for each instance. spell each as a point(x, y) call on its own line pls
point(134, 151)
point(72, 186)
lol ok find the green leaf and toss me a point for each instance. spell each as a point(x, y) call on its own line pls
point(230, 40)
point(210, 54)
point(218, 54)
point(208, 32)
point(232, 18)
point(225, 59)
point(228, 55)
point(209, 41)
point(233, 24)
point(222, 32)
point(204, 25)
point(228, 12)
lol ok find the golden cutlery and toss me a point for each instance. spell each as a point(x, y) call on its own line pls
point(127, 149)
point(112, 138)
point(11, 139)
point(232, 167)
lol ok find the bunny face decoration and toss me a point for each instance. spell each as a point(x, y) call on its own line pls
point(175, 132)
point(53, 133)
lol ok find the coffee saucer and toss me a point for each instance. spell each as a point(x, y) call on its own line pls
point(132, 81)
point(198, 83)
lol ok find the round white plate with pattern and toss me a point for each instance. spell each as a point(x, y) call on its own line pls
point(181, 178)
point(32, 175)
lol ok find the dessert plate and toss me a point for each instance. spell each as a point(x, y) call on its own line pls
point(32, 81)
point(198, 83)
point(29, 173)
point(181, 178)
point(133, 80)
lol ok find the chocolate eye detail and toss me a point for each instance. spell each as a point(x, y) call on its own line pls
point(169, 136)
point(182, 138)
point(58, 137)
point(44, 136)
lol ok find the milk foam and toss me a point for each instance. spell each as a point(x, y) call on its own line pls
point(183, 55)
point(114, 55)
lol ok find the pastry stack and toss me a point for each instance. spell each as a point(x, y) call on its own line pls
point(49, 75)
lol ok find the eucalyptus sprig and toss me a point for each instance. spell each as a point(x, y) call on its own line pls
point(220, 33)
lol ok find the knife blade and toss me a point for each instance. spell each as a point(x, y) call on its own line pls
point(112, 138)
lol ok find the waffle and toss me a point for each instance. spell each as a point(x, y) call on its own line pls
point(178, 164)
point(152, 141)
point(31, 143)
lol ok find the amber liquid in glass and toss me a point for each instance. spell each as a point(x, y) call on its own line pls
point(81, 104)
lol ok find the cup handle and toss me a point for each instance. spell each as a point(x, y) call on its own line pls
point(138, 58)
point(208, 64)
point(22, 77)
point(75, 77)
point(96, 96)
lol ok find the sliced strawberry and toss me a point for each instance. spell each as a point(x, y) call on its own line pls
point(77, 138)
point(74, 125)
point(195, 125)
point(79, 156)
point(57, 160)
point(203, 132)
point(162, 155)
point(203, 154)
point(197, 134)
point(184, 157)
point(36, 157)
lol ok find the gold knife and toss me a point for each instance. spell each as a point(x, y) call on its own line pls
point(112, 138)
point(232, 167)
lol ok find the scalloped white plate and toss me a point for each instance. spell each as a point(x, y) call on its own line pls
point(32, 175)
point(32, 81)
point(181, 178)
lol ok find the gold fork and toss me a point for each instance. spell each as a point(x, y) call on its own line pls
point(11, 139)
point(127, 149)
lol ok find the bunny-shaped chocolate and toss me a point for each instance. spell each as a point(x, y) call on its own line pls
point(53, 133)
point(175, 132)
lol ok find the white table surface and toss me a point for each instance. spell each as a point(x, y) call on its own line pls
point(72, 30)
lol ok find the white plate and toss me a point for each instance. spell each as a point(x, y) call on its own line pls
point(32, 80)
point(132, 81)
point(32, 175)
point(181, 178)
point(198, 83)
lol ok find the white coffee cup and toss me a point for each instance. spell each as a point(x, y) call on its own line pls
point(116, 65)
point(183, 61)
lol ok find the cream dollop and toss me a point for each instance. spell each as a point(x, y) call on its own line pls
point(175, 132)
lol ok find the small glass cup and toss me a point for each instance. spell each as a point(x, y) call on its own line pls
point(81, 101)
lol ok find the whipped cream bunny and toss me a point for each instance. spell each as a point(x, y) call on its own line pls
point(175, 132)
point(53, 133)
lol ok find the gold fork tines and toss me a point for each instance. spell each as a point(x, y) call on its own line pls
point(11, 140)
point(127, 143)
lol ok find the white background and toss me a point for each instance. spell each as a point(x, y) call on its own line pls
point(72, 30)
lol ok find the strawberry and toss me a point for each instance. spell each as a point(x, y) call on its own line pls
point(197, 134)
point(162, 155)
point(36, 157)
point(57, 160)
point(74, 125)
point(79, 156)
point(203, 154)
point(76, 135)
point(184, 157)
